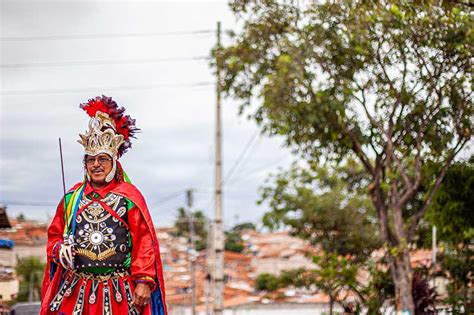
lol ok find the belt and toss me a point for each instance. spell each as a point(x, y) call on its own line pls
point(118, 273)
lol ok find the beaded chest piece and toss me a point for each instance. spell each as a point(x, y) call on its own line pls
point(102, 236)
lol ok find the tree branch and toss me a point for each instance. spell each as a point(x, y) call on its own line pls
point(416, 219)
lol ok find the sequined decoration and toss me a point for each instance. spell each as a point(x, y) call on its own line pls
point(72, 286)
point(80, 299)
point(117, 290)
point(93, 292)
point(58, 299)
point(128, 293)
point(102, 239)
point(106, 308)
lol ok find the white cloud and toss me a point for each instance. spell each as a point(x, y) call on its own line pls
point(175, 149)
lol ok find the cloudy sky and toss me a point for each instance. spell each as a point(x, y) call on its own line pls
point(151, 58)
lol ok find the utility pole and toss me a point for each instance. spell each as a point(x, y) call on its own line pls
point(434, 253)
point(218, 235)
point(192, 249)
point(30, 288)
point(210, 268)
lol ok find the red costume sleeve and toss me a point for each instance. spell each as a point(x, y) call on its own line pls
point(55, 237)
point(143, 254)
point(55, 232)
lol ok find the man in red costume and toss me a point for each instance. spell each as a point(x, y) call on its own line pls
point(103, 255)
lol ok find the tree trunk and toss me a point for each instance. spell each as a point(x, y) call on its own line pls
point(403, 280)
point(331, 304)
point(400, 266)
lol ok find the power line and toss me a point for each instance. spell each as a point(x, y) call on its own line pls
point(230, 195)
point(101, 36)
point(100, 62)
point(29, 203)
point(112, 88)
point(241, 156)
point(167, 198)
point(258, 169)
point(163, 200)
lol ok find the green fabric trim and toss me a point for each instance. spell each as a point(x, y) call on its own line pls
point(99, 270)
point(130, 203)
point(67, 199)
point(126, 178)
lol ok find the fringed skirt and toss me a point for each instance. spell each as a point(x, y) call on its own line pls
point(91, 294)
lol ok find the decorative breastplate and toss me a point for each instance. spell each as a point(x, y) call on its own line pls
point(102, 240)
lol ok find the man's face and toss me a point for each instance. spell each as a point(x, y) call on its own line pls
point(98, 167)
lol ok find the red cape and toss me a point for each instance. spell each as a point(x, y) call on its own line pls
point(129, 191)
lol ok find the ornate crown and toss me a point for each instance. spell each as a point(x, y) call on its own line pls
point(109, 130)
point(96, 141)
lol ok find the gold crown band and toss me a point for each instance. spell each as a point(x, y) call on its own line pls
point(101, 136)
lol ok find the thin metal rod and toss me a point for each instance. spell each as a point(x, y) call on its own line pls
point(62, 172)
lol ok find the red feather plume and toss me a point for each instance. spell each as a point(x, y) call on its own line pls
point(124, 124)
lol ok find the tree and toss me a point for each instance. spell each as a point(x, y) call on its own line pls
point(451, 212)
point(244, 226)
point(327, 207)
point(233, 237)
point(233, 242)
point(21, 218)
point(331, 275)
point(30, 270)
point(388, 82)
point(200, 222)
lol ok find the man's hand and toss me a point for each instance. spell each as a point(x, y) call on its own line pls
point(142, 294)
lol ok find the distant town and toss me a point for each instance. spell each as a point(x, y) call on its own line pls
point(261, 253)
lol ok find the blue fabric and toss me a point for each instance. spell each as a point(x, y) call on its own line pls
point(7, 243)
point(157, 307)
point(52, 270)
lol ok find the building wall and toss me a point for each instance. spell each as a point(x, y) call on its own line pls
point(268, 309)
point(8, 288)
point(275, 265)
point(9, 257)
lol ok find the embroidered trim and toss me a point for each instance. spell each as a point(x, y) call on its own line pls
point(106, 309)
point(80, 299)
point(55, 252)
point(93, 256)
point(93, 292)
point(128, 293)
point(117, 290)
point(58, 299)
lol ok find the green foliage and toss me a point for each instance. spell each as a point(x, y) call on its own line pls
point(200, 226)
point(267, 282)
point(334, 274)
point(314, 65)
point(331, 274)
point(452, 207)
point(451, 212)
point(21, 217)
point(389, 82)
point(380, 290)
point(233, 239)
point(244, 226)
point(30, 270)
point(233, 242)
point(329, 208)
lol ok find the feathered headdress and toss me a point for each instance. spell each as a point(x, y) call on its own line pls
point(110, 131)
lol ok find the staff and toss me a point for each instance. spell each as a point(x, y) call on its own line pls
point(65, 252)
